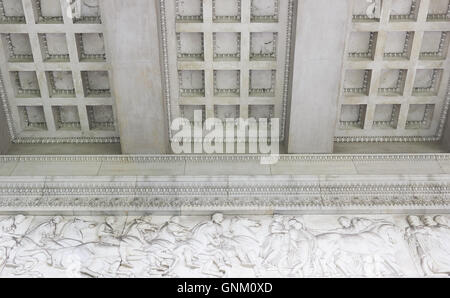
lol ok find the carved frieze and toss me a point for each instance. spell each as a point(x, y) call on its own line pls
point(224, 246)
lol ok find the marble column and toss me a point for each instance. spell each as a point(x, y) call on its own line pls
point(320, 34)
point(132, 40)
point(5, 140)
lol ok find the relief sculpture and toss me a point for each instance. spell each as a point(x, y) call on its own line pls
point(260, 246)
point(360, 247)
point(429, 239)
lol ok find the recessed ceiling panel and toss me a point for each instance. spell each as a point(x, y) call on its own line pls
point(55, 73)
point(396, 72)
point(227, 58)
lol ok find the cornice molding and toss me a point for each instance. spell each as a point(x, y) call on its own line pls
point(227, 158)
point(239, 193)
point(356, 193)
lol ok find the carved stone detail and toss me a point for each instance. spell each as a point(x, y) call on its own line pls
point(220, 246)
point(67, 74)
point(386, 96)
point(429, 240)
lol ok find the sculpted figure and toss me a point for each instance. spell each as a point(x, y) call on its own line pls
point(442, 230)
point(241, 243)
point(76, 231)
point(359, 224)
point(347, 225)
point(108, 235)
point(429, 241)
point(301, 248)
point(160, 243)
point(54, 226)
point(108, 254)
point(428, 221)
point(204, 249)
point(441, 221)
point(289, 247)
point(415, 235)
point(173, 231)
point(30, 247)
point(361, 245)
point(10, 235)
point(138, 246)
point(274, 247)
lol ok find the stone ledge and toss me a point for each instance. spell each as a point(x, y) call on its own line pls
point(240, 194)
point(233, 184)
point(227, 165)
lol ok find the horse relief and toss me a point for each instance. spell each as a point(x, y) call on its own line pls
point(219, 246)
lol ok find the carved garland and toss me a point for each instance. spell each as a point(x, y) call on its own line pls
point(194, 193)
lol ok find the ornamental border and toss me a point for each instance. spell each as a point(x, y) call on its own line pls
point(316, 194)
point(227, 158)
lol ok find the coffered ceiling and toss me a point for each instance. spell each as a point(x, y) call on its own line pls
point(55, 72)
point(396, 72)
point(229, 59)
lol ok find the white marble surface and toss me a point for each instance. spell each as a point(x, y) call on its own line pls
point(134, 49)
point(225, 246)
point(217, 165)
point(317, 64)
